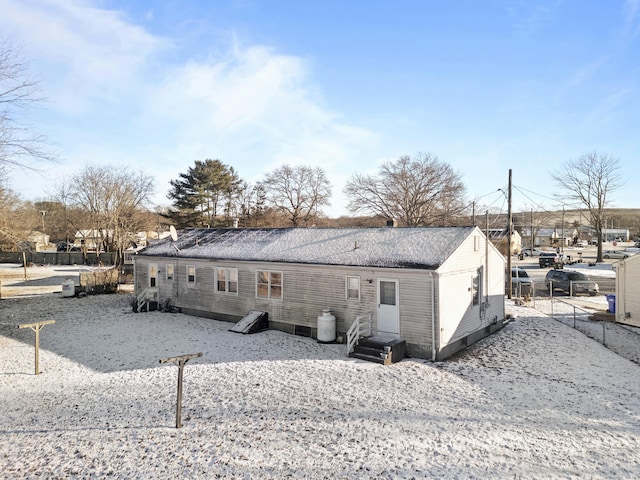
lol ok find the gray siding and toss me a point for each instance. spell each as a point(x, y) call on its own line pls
point(307, 290)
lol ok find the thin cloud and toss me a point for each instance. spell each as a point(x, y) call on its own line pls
point(90, 53)
point(632, 24)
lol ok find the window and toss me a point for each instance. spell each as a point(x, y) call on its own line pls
point(269, 284)
point(387, 292)
point(476, 287)
point(191, 274)
point(227, 280)
point(353, 288)
point(169, 270)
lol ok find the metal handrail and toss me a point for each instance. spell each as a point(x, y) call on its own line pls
point(358, 329)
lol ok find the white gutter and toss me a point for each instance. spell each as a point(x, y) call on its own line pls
point(433, 318)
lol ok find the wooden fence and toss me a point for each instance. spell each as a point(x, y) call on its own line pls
point(59, 258)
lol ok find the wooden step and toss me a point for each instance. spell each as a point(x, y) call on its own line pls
point(381, 342)
point(373, 351)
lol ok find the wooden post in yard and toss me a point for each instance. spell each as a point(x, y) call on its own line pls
point(36, 327)
point(180, 361)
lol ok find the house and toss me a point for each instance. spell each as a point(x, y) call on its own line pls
point(438, 289)
point(551, 237)
point(499, 238)
point(615, 234)
point(91, 240)
point(36, 241)
point(627, 301)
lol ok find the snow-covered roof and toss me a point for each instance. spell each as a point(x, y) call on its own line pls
point(425, 248)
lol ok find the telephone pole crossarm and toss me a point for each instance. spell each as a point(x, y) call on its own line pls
point(180, 361)
point(36, 327)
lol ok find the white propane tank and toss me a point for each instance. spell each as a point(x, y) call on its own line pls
point(68, 288)
point(326, 326)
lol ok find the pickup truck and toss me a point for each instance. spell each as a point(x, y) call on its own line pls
point(553, 259)
point(549, 259)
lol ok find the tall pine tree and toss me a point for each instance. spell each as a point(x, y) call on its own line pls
point(203, 196)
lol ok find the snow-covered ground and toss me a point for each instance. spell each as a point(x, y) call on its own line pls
point(539, 399)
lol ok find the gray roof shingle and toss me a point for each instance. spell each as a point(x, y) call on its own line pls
point(425, 248)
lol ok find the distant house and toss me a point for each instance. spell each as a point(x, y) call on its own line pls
point(439, 289)
point(499, 237)
point(627, 304)
point(612, 234)
point(36, 241)
point(551, 237)
point(91, 240)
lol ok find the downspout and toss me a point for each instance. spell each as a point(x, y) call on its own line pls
point(433, 318)
point(619, 288)
point(135, 277)
point(486, 278)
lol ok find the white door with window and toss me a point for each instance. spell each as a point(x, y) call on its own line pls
point(388, 311)
point(153, 274)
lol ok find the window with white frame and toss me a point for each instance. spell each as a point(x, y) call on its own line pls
point(352, 285)
point(476, 287)
point(269, 284)
point(226, 280)
point(169, 272)
point(191, 274)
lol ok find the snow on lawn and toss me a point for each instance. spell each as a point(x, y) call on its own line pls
point(536, 400)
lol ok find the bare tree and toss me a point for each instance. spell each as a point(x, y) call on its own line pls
point(114, 201)
point(589, 181)
point(417, 191)
point(13, 221)
point(18, 144)
point(298, 192)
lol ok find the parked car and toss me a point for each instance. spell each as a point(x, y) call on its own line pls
point(521, 282)
point(582, 243)
point(530, 252)
point(571, 282)
point(67, 247)
point(615, 254)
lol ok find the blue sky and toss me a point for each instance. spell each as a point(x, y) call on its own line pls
point(486, 86)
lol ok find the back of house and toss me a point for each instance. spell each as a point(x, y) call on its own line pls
point(400, 278)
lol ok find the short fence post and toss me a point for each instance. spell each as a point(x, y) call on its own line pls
point(604, 329)
point(574, 316)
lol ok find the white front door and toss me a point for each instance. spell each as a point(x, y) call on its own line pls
point(153, 274)
point(388, 313)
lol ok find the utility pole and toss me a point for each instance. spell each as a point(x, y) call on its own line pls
point(509, 237)
point(562, 250)
point(44, 243)
point(532, 236)
point(473, 213)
